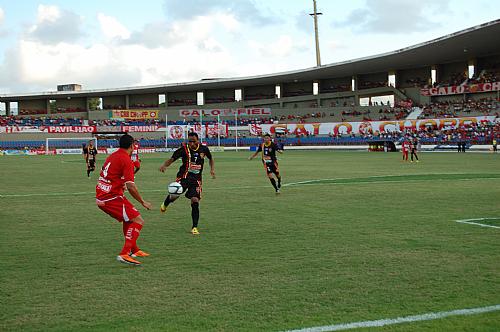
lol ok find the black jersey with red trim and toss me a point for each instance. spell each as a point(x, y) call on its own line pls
point(268, 151)
point(90, 152)
point(192, 160)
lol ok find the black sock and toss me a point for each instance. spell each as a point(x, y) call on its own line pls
point(88, 173)
point(167, 201)
point(273, 181)
point(279, 182)
point(195, 213)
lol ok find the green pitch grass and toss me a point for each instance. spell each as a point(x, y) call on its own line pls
point(371, 238)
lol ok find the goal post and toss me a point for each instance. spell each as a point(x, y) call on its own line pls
point(68, 142)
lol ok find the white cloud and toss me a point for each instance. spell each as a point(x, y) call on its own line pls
point(54, 25)
point(282, 47)
point(395, 16)
point(111, 27)
point(2, 15)
point(243, 10)
point(48, 13)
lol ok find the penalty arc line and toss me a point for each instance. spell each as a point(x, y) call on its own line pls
point(399, 320)
point(471, 222)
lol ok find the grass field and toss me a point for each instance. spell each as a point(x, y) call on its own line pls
point(371, 238)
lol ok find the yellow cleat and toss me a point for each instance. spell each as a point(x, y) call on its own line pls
point(163, 208)
point(195, 231)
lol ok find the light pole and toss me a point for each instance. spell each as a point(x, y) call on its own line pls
point(315, 16)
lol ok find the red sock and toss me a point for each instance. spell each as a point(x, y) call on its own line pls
point(131, 231)
point(126, 226)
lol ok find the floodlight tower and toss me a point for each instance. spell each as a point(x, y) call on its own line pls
point(315, 16)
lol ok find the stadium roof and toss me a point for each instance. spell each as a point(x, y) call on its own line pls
point(478, 41)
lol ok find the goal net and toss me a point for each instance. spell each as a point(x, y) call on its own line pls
point(68, 143)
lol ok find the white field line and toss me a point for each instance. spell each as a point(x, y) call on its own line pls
point(308, 182)
point(399, 320)
point(319, 181)
point(471, 222)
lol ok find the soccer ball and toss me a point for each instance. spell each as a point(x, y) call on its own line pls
point(175, 188)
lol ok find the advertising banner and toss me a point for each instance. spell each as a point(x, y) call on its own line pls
point(133, 115)
point(259, 111)
point(366, 127)
point(461, 89)
point(181, 131)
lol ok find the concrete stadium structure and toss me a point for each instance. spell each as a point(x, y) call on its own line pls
point(340, 86)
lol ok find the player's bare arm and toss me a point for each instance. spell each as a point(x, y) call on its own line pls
point(166, 164)
point(132, 189)
point(253, 156)
point(212, 168)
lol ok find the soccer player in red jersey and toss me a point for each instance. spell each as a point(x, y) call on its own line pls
point(268, 150)
point(135, 157)
point(117, 174)
point(190, 175)
point(404, 149)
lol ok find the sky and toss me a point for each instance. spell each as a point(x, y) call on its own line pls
point(122, 43)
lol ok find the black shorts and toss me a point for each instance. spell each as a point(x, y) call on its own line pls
point(191, 187)
point(272, 168)
point(91, 165)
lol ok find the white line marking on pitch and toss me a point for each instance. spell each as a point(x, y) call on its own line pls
point(471, 222)
point(319, 181)
point(399, 320)
point(290, 184)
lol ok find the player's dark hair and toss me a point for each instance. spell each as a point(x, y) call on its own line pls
point(193, 134)
point(126, 141)
point(267, 135)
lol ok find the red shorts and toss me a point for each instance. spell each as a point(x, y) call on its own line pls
point(119, 208)
point(137, 164)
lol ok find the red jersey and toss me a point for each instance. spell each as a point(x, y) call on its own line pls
point(404, 146)
point(135, 153)
point(117, 170)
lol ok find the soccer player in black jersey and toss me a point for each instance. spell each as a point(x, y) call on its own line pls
point(89, 153)
point(268, 150)
point(189, 176)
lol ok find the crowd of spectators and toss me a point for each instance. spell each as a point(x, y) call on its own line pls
point(362, 85)
point(471, 132)
point(389, 113)
point(443, 109)
point(258, 96)
point(336, 88)
point(450, 109)
point(485, 76)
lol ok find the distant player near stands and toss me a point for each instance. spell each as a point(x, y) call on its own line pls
point(268, 150)
point(494, 145)
point(413, 149)
point(135, 156)
point(117, 173)
point(404, 149)
point(89, 153)
point(190, 175)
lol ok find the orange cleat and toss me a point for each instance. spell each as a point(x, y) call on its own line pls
point(126, 259)
point(140, 253)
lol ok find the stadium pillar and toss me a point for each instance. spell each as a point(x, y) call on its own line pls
point(7, 108)
point(48, 106)
point(87, 107)
point(166, 100)
point(127, 103)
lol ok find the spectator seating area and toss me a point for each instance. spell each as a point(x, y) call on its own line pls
point(450, 109)
point(480, 133)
